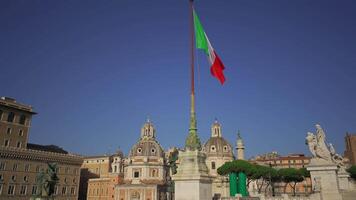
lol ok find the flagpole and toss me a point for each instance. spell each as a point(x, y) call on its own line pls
point(192, 141)
point(192, 46)
point(192, 98)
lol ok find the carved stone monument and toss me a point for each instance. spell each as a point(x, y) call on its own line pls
point(324, 165)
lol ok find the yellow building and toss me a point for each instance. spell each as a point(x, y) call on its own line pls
point(20, 161)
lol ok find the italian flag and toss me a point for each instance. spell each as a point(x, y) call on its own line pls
point(202, 42)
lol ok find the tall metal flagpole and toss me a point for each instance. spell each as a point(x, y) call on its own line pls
point(192, 141)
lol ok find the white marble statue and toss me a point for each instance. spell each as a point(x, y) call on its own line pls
point(320, 150)
point(317, 145)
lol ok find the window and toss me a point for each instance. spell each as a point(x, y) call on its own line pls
point(27, 167)
point(20, 132)
point(1, 114)
point(8, 131)
point(25, 178)
point(11, 117)
point(64, 190)
point(72, 190)
point(22, 120)
point(37, 168)
point(2, 165)
point(0, 188)
point(153, 150)
point(212, 165)
point(1, 177)
point(115, 168)
point(11, 190)
point(23, 190)
point(213, 149)
point(34, 190)
point(14, 167)
point(225, 148)
point(18, 145)
point(13, 178)
point(136, 174)
point(67, 170)
point(139, 150)
point(7, 143)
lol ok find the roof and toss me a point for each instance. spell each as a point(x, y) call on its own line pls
point(49, 148)
point(11, 103)
point(218, 146)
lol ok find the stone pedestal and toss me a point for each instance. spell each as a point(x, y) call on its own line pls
point(192, 181)
point(324, 179)
point(344, 182)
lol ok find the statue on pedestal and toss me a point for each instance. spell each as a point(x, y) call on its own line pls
point(323, 153)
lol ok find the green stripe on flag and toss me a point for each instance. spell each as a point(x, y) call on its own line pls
point(200, 39)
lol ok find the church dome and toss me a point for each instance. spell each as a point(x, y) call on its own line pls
point(217, 145)
point(147, 145)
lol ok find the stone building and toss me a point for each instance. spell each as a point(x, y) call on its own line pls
point(20, 161)
point(145, 169)
point(350, 145)
point(218, 151)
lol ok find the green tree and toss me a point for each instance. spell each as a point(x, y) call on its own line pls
point(291, 176)
point(352, 171)
point(305, 173)
point(236, 166)
point(272, 176)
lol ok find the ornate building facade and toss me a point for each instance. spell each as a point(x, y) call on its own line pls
point(145, 169)
point(20, 161)
point(218, 151)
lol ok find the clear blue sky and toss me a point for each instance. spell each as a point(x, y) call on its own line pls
point(94, 70)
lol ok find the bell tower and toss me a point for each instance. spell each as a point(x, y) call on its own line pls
point(216, 129)
point(148, 130)
point(240, 147)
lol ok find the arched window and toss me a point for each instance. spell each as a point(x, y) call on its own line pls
point(11, 117)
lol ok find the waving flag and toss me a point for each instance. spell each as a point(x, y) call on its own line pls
point(202, 42)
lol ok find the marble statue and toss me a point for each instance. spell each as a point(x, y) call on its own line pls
point(320, 150)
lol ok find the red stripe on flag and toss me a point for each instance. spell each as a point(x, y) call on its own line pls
point(217, 69)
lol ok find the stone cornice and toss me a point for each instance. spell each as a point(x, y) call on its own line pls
point(40, 156)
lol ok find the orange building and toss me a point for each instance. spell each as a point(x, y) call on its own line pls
point(99, 175)
point(350, 151)
point(104, 187)
point(290, 161)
